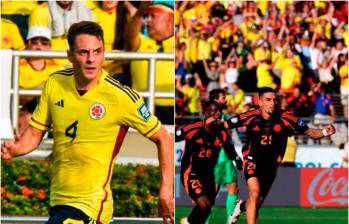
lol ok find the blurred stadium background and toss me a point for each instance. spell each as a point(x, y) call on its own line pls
point(299, 48)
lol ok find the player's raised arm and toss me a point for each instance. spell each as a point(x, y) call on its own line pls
point(231, 153)
point(166, 162)
point(24, 144)
point(317, 133)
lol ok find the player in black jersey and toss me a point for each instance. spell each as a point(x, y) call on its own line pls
point(202, 147)
point(267, 131)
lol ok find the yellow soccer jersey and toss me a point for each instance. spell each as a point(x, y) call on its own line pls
point(88, 131)
point(30, 78)
point(164, 80)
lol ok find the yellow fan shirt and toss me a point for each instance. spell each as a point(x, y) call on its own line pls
point(164, 69)
point(10, 36)
point(31, 78)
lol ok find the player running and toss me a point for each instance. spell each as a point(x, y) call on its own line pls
point(267, 131)
point(202, 147)
point(90, 113)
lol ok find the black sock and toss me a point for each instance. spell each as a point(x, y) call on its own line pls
point(198, 216)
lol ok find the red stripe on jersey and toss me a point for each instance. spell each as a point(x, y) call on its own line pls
point(192, 126)
point(245, 153)
point(249, 120)
point(119, 139)
point(191, 134)
point(224, 136)
point(243, 165)
point(186, 176)
point(250, 113)
point(287, 124)
point(289, 116)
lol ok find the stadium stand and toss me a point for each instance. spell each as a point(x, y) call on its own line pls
point(279, 44)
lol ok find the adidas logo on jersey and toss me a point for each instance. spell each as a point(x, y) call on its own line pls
point(256, 128)
point(59, 103)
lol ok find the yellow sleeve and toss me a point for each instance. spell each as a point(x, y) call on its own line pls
point(40, 16)
point(41, 118)
point(18, 43)
point(137, 116)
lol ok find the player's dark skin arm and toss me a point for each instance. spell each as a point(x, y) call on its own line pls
point(231, 153)
point(22, 145)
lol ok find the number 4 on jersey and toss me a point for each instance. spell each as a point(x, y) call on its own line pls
point(71, 130)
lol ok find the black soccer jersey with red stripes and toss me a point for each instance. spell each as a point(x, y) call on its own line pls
point(268, 138)
point(201, 152)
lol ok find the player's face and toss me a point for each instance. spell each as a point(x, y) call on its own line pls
point(222, 100)
point(87, 56)
point(213, 112)
point(268, 102)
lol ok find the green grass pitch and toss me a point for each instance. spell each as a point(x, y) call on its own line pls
point(281, 215)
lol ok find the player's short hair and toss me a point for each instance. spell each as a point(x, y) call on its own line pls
point(263, 90)
point(208, 103)
point(84, 27)
point(214, 94)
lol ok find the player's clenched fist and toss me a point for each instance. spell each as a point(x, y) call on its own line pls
point(7, 149)
point(329, 130)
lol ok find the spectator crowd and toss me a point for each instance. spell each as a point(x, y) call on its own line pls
point(43, 25)
point(299, 48)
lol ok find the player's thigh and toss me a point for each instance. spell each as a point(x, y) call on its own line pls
point(253, 186)
point(266, 181)
point(204, 202)
point(232, 188)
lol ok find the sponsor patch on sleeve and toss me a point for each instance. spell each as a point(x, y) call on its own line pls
point(234, 120)
point(144, 112)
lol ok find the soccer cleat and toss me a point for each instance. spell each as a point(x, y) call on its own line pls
point(236, 213)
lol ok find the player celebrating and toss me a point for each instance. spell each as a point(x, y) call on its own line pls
point(202, 147)
point(224, 171)
point(267, 131)
point(90, 113)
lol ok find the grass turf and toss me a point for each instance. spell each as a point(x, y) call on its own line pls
point(281, 215)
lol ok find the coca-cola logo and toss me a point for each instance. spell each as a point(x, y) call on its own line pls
point(327, 188)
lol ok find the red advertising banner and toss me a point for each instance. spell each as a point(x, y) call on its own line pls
point(324, 187)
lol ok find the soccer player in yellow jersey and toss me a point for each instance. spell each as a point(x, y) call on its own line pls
point(90, 113)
